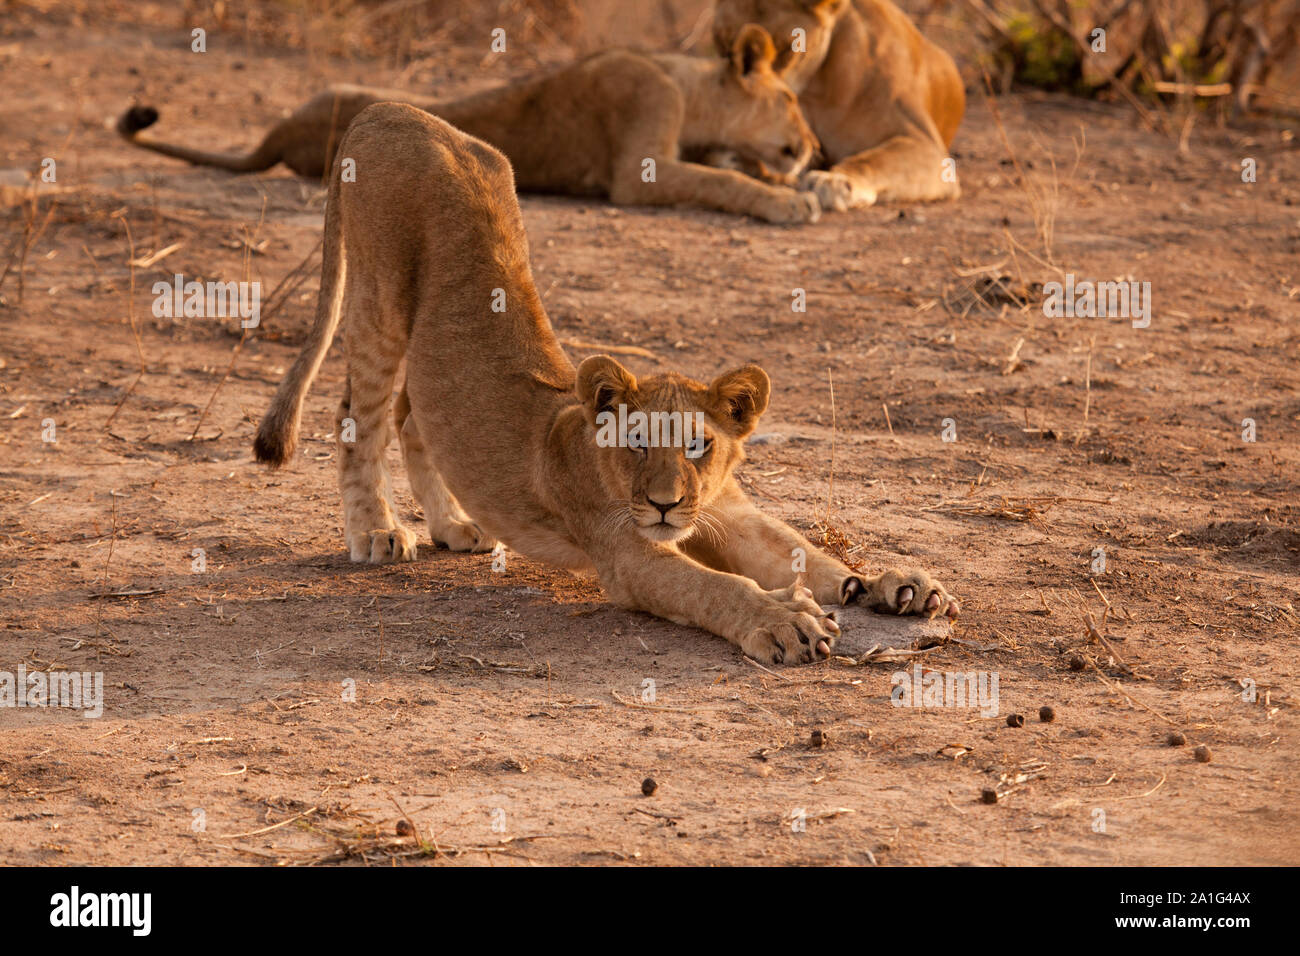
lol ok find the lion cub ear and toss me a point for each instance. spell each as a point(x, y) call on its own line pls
point(603, 384)
point(740, 397)
point(752, 50)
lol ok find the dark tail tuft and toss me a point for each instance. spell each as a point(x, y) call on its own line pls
point(270, 446)
point(136, 119)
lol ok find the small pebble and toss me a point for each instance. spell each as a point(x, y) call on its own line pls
point(1015, 720)
point(988, 796)
point(1203, 754)
point(819, 738)
point(1176, 739)
point(1077, 663)
point(648, 786)
point(404, 829)
point(1046, 714)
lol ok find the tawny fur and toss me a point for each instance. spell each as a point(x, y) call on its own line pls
point(884, 101)
point(587, 130)
point(497, 424)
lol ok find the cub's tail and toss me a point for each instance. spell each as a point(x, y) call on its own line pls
point(277, 436)
point(138, 118)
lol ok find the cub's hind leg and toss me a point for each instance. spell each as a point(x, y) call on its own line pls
point(369, 517)
point(448, 524)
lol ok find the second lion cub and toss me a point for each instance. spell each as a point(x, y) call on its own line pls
point(616, 124)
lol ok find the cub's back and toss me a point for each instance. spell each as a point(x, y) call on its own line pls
point(432, 227)
point(563, 131)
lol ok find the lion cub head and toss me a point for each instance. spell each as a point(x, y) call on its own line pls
point(757, 113)
point(799, 54)
point(665, 445)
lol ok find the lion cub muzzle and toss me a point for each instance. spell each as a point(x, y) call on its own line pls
point(668, 506)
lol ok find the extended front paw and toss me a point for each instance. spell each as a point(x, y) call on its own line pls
point(902, 592)
point(792, 207)
point(793, 630)
point(836, 191)
point(382, 546)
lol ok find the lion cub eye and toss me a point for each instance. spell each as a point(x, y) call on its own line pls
point(637, 441)
point(699, 446)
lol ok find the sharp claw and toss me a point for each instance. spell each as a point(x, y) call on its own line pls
point(852, 589)
point(823, 649)
point(932, 602)
point(905, 595)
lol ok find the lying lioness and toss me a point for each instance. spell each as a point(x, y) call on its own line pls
point(425, 258)
point(589, 129)
point(884, 100)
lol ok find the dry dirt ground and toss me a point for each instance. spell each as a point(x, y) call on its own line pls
point(504, 712)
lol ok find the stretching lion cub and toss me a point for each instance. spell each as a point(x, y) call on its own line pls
point(421, 253)
point(884, 100)
point(589, 129)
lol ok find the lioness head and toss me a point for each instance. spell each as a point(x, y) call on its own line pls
point(758, 113)
point(801, 30)
point(665, 444)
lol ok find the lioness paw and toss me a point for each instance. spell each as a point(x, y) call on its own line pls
point(383, 546)
point(903, 592)
point(836, 191)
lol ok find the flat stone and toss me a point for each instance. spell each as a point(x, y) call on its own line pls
point(862, 629)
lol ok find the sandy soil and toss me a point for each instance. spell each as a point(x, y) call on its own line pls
point(504, 713)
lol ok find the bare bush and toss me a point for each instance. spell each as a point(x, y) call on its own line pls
point(1228, 49)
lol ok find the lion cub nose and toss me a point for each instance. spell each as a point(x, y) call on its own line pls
point(664, 507)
